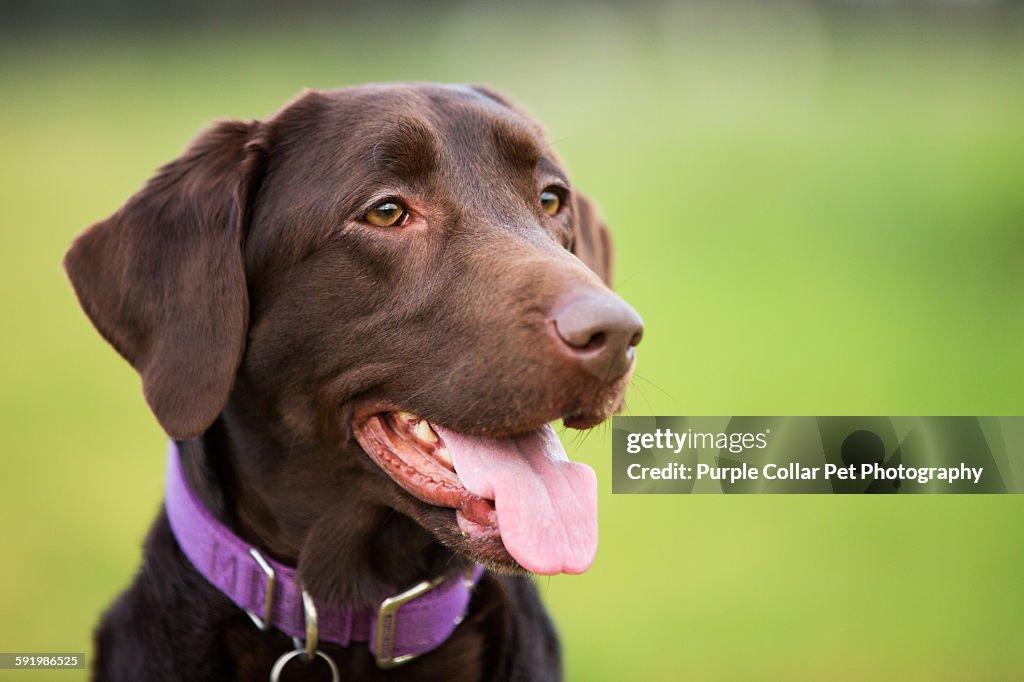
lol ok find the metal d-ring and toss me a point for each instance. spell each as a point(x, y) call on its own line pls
point(279, 665)
point(312, 632)
point(309, 651)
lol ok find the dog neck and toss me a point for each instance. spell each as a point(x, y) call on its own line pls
point(410, 623)
point(353, 553)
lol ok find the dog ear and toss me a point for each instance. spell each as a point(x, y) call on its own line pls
point(592, 243)
point(163, 280)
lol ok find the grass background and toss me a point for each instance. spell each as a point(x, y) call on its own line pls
point(816, 212)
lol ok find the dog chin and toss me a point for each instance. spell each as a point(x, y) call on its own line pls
point(489, 552)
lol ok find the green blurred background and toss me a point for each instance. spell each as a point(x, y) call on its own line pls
point(818, 209)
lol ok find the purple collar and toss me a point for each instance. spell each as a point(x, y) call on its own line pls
point(403, 627)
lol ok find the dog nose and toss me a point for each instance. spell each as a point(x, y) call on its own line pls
point(600, 331)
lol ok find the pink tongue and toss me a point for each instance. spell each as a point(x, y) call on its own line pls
point(545, 504)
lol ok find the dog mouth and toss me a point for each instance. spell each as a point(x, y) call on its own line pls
point(520, 490)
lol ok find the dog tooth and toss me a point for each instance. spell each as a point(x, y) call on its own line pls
point(445, 456)
point(424, 432)
point(407, 417)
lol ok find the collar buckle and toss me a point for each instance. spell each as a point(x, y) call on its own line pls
point(387, 623)
point(268, 595)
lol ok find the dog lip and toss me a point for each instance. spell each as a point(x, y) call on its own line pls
point(582, 421)
point(394, 440)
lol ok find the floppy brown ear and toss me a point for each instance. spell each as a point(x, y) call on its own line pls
point(592, 243)
point(163, 281)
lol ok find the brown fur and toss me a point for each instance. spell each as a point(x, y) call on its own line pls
point(263, 316)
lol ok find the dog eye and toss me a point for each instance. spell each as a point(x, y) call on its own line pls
point(387, 214)
point(550, 201)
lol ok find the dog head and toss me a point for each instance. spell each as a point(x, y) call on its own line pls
point(378, 299)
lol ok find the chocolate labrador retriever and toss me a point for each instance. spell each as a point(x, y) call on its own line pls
point(356, 319)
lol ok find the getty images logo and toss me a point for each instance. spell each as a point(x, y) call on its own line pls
point(677, 441)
